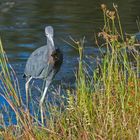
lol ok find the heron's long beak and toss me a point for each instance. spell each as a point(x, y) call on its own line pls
point(51, 40)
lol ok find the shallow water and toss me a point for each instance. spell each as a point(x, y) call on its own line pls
point(22, 26)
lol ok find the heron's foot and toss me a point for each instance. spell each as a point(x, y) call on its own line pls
point(41, 112)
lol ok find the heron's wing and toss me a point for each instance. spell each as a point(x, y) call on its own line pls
point(37, 63)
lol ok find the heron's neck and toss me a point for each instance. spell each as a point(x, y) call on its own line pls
point(50, 43)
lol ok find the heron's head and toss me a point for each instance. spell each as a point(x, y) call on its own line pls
point(49, 33)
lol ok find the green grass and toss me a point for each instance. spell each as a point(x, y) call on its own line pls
point(104, 105)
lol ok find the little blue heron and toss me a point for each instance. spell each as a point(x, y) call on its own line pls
point(43, 63)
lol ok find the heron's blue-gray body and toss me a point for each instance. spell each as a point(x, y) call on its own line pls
point(44, 62)
point(37, 64)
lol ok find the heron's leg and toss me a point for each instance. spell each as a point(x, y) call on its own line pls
point(26, 88)
point(42, 100)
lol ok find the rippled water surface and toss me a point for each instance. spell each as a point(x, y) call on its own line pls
point(22, 25)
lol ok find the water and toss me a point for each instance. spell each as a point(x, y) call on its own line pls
point(22, 26)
